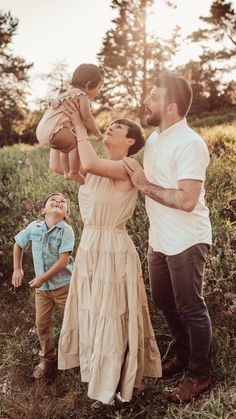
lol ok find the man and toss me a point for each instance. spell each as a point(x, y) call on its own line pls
point(175, 161)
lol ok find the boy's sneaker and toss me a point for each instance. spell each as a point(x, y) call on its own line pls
point(42, 369)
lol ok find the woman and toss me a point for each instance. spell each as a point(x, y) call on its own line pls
point(106, 328)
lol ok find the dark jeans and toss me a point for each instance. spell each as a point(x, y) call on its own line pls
point(176, 283)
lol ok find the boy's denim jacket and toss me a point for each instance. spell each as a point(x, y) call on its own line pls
point(47, 244)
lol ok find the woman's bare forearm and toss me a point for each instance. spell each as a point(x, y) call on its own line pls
point(88, 155)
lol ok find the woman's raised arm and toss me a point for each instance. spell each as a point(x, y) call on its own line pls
point(90, 161)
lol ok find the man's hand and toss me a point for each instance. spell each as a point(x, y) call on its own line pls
point(36, 282)
point(17, 277)
point(136, 172)
point(99, 136)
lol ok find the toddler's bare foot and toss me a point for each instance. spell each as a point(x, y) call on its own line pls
point(66, 175)
point(77, 177)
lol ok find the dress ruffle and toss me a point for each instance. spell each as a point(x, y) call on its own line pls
point(106, 328)
point(69, 94)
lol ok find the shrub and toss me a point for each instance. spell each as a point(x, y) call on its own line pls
point(24, 179)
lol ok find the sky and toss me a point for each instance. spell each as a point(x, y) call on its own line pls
point(50, 31)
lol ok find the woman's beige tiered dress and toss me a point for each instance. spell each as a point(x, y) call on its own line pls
point(106, 328)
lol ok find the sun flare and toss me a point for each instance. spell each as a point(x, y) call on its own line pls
point(161, 19)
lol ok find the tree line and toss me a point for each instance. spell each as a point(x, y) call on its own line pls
point(132, 58)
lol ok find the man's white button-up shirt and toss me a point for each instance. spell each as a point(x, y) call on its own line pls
point(174, 154)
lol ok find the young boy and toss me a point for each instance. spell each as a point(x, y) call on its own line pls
point(52, 243)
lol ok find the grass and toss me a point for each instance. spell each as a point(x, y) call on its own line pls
point(62, 395)
point(212, 119)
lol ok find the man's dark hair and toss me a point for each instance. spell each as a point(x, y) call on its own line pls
point(135, 132)
point(178, 90)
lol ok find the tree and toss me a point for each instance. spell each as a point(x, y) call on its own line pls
point(13, 78)
point(209, 94)
point(57, 78)
point(131, 56)
point(230, 93)
point(219, 39)
point(205, 85)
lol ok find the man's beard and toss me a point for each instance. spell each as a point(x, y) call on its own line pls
point(153, 120)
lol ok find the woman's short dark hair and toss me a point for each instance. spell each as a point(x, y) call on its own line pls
point(178, 90)
point(136, 132)
point(87, 73)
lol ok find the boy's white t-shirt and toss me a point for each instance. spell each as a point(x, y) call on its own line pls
point(172, 155)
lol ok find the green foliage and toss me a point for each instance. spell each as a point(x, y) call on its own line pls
point(218, 42)
point(25, 178)
point(208, 91)
point(132, 56)
point(13, 77)
point(210, 119)
point(221, 25)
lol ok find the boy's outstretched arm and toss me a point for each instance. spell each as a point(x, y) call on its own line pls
point(57, 267)
point(18, 273)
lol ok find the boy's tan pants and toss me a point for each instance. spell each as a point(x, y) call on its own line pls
point(44, 305)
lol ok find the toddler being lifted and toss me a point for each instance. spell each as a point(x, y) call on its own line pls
point(55, 129)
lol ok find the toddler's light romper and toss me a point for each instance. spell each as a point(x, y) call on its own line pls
point(54, 119)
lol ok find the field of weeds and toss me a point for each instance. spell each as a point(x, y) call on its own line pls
point(24, 180)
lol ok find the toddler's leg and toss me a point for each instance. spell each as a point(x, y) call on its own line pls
point(74, 163)
point(64, 160)
point(55, 162)
point(63, 141)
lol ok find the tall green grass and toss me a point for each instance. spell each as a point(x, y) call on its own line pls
point(24, 179)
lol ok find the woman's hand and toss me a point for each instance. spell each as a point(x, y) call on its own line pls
point(71, 109)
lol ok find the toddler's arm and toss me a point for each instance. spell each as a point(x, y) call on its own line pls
point(57, 267)
point(18, 273)
point(87, 117)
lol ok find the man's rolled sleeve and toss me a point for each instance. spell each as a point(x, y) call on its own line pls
point(193, 161)
point(68, 240)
